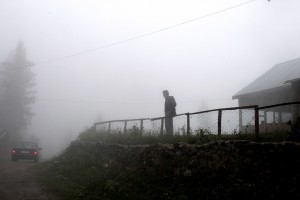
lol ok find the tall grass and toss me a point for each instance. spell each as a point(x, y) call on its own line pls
point(134, 137)
point(199, 136)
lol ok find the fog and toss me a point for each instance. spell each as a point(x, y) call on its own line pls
point(102, 60)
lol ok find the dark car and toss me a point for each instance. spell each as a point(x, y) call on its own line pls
point(26, 151)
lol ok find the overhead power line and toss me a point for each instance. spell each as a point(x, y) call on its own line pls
point(81, 101)
point(143, 35)
point(76, 101)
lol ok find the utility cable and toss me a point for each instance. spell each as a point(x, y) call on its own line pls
point(143, 35)
point(14, 97)
point(140, 36)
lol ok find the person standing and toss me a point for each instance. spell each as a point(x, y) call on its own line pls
point(170, 111)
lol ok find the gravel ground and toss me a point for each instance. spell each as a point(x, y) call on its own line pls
point(18, 183)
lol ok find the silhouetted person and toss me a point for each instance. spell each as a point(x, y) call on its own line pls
point(170, 111)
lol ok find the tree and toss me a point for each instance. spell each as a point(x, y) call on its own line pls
point(17, 92)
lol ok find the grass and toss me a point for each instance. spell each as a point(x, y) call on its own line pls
point(199, 136)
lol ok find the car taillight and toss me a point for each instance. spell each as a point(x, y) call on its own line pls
point(13, 151)
point(35, 153)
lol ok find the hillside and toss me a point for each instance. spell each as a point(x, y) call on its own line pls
point(235, 169)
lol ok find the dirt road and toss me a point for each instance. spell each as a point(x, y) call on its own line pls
point(18, 183)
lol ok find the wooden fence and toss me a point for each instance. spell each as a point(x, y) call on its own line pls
point(253, 124)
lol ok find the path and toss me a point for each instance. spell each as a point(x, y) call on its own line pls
point(18, 183)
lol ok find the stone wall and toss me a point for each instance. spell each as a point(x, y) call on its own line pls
point(182, 159)
point(217, 170)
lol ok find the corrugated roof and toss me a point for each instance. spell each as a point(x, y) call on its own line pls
point(273, 78)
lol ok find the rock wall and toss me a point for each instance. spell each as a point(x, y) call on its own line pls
point(217, 170)
point(182, 159)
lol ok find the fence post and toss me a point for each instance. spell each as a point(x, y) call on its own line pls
point(219, 123)
point(109, 127)
point(125, 126)
point(240, 119)
point(142, 126)
point(188, 123)
point(162, 126)
point(279, 117)
point(256, 122)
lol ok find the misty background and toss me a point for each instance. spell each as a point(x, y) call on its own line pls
point(103, 60)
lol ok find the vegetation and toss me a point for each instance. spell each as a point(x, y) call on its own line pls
point(199, 136)
point(17, 94)
point(82, 172)
point(134, 137)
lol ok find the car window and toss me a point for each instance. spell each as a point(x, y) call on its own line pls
point(26, 145)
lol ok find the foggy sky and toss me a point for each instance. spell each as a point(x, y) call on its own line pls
point(207, 60)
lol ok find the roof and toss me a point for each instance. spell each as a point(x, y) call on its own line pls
point(277, 76)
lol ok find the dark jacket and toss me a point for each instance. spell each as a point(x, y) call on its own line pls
point(170, 106)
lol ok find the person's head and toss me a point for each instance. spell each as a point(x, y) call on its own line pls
point(165, 93)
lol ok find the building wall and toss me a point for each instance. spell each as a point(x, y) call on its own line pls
point(296, 89)
point(269, 97)
point(296, 107)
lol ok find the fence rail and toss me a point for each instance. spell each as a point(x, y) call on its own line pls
point(245, 119)
point(278, 117)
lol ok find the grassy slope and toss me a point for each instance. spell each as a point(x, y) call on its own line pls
point(82, 173)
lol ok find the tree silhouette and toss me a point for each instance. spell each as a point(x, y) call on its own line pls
point(17, 92)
